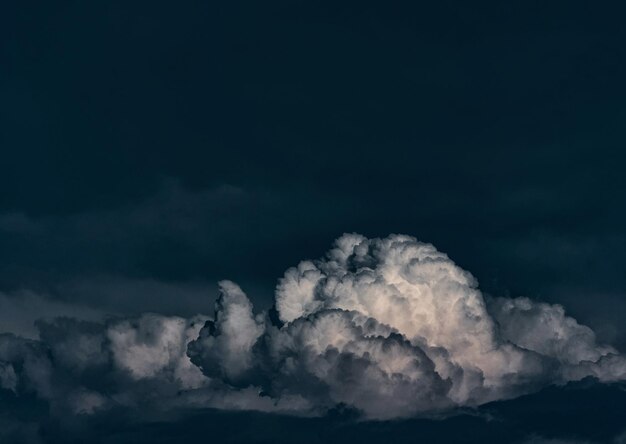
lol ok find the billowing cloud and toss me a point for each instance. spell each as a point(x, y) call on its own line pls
point(224, 348)
point(389, 327)
point(394, 328)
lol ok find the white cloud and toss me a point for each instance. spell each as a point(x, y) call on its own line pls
point(155, 344)
point(390, 327)
point(393, 327)
point(224, 348)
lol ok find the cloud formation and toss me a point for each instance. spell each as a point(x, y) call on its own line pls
point(389, 327)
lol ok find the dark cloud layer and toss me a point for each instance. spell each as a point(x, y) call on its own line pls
point(546, 417)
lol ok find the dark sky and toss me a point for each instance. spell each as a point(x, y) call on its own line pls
point(152, 148)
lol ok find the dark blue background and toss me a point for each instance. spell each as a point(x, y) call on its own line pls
point(179, 143)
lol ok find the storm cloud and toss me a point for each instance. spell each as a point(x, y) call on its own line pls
point(390, 328)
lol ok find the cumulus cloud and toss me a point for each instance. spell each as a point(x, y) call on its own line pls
point(156, 345)
point(224, 348)
point(389, 327)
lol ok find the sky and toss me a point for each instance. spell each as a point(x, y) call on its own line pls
point(153, 149)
